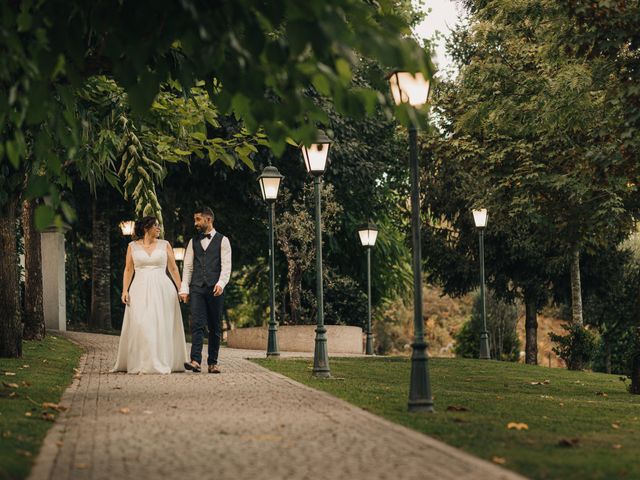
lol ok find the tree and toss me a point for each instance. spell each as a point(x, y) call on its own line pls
point(293, 231)
point(529, 122)
point(34, 326)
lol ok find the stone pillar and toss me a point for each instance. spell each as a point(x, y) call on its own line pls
point(54, 295)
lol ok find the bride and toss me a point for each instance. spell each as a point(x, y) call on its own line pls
point(152, 338)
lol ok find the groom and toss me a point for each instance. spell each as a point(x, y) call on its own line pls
point(207, 267)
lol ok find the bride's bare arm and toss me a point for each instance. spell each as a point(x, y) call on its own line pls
point(172, 266)
point(127, 276)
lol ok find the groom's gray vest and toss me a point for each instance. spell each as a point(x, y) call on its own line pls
point(206, 263)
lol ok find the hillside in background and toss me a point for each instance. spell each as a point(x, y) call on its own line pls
point(445, 316)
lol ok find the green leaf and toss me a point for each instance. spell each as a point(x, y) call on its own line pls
point(13, 153)
point(37, 187)
point(179, 151)
point(44, 216)
point(199, 136)
point(321, 83)
point(344, 70)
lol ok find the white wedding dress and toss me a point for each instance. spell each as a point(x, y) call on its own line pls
point(152, 338)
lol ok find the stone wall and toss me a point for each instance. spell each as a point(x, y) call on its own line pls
point(298, 338)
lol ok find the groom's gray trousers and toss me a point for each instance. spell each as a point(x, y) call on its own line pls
point(206, 311)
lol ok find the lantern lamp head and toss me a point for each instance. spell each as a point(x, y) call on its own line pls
point(316, 155)
point(409, 88)
point(480, 217)
point(368, 234)
point(270, 180)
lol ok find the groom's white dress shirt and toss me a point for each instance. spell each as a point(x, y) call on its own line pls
point(225, 262)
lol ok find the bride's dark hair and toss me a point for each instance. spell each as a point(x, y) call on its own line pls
point(143, 225)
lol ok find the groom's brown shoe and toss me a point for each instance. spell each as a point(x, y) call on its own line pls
point(214, 369)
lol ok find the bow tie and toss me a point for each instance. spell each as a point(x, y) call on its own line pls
point(206, 235)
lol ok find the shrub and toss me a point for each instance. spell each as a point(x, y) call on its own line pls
point(577, 348)
point(502, 319)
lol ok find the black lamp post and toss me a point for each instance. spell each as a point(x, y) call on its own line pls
point(368, 235)
point(315, 160)
point(480, 219)
point(269, 185)
point(413, 89)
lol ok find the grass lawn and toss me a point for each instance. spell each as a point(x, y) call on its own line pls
point(40, 376)
point(581, 425)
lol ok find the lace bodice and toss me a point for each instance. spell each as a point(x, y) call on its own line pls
point(144, 260)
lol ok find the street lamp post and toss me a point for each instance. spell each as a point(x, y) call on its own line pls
point(368, 235)
point(413, 89)
point(269, 185)
point(480, 219)
point(315, 159)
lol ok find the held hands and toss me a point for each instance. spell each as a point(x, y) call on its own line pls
point(184, 297)
point(125, 298)
point(217, 290)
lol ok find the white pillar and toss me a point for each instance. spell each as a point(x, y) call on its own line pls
point(54, 297)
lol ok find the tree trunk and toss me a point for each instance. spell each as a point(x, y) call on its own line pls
point(635, 375)
point(607, 354)
point(531, 328)
point(34, 328)
point(100, 317)
point(635, 365)
point(294, 276)
point(576, 289)
point(10, 308)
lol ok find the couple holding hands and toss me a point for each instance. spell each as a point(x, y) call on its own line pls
point(152, 338)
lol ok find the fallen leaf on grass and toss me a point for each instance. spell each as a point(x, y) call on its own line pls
point(49, 417)
point(568, 442)
point(28, 414)
point(457, 408)
point(544, 382)
point(617, 446)
point(124, 410)
point(54, 406)
point(10, 374)
point(25, 366)
point(44, 361)
point(517, 426)
point(10, 385)
point(499, 397)
point(499, 460)
point(602, 394)
point(6, 434)
point(615, 425)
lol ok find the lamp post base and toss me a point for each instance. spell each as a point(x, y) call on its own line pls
point(369, 345)
point(321, 355)
point(420, 399)
point(485, 353)
point(272, 342)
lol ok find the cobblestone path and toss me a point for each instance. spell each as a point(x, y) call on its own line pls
point(248, 423)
